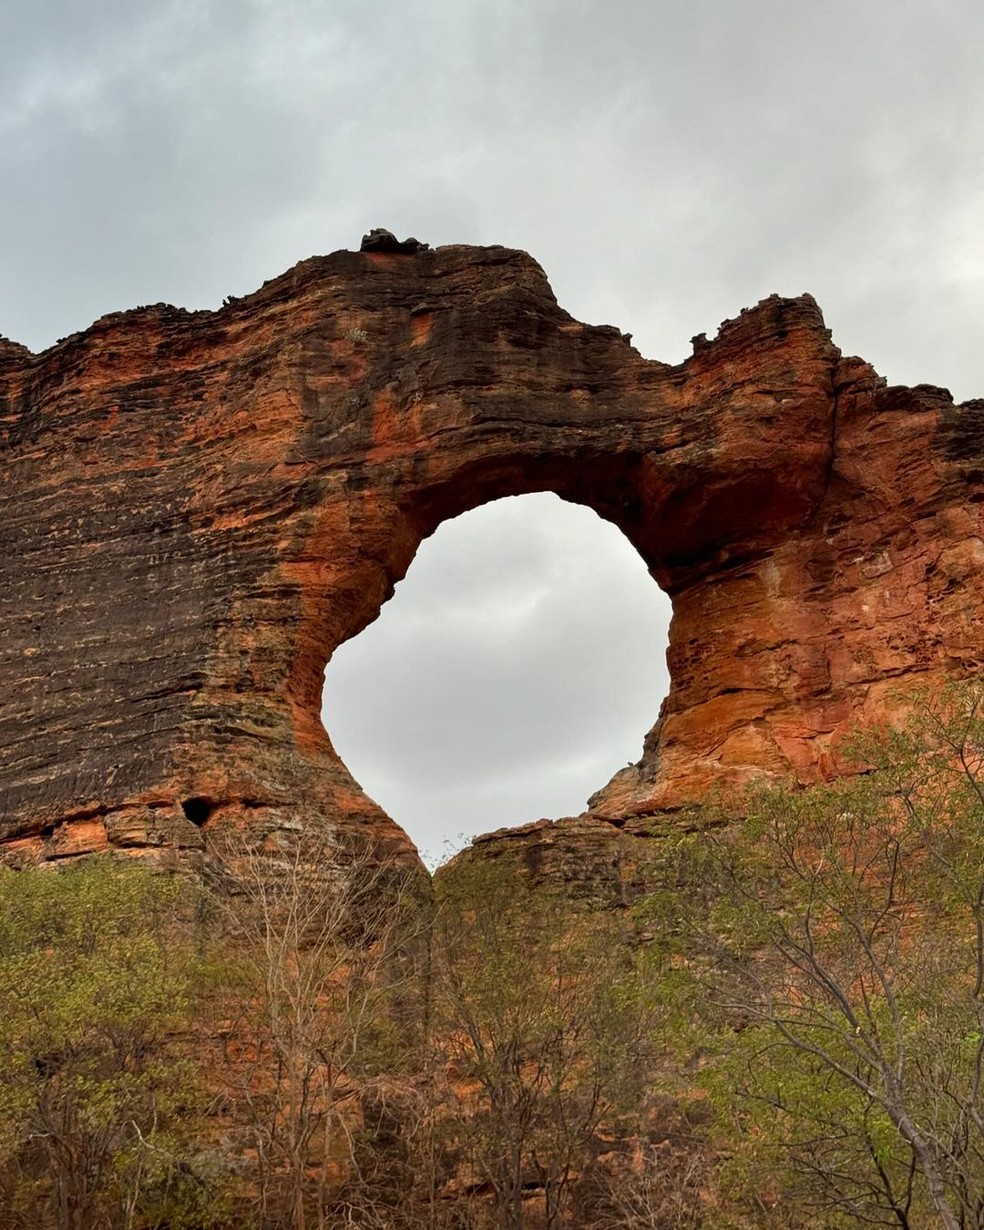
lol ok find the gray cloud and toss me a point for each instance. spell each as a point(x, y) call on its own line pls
point(518, 665)
point(668, 162)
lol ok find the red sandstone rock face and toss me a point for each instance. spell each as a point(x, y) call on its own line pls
point(199, 507)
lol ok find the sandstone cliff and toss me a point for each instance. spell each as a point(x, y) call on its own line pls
point(199, 507)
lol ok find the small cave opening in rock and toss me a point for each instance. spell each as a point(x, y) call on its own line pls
point(197, 809)
point(518, 666)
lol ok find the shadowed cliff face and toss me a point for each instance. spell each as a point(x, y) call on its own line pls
point(197, 508)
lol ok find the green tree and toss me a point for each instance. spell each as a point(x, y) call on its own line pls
point(543, 1024)
point(837, 968)
point(97, 973)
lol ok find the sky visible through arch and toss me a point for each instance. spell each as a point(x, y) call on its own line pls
point(668, 162)
point(518, 665)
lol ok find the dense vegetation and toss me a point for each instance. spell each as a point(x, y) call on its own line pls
point(837, 967)
point(787, 1031)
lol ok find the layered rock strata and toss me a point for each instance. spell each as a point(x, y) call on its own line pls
point(199, 507)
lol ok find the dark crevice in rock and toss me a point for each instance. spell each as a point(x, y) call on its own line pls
point(198, 809)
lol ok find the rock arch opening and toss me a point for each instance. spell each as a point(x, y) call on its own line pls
point(258, 479)
point(517, 667)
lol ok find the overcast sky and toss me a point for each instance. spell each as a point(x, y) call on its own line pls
point(667, 164)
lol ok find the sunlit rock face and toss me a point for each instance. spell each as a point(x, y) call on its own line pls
point(198, 507)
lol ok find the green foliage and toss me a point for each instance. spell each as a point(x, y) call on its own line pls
point(814, 966)
point(835, 976)
point(97, 971)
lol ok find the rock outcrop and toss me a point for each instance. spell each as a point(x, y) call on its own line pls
point(198, 507)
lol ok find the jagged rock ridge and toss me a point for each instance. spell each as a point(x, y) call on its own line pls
point(198, 507)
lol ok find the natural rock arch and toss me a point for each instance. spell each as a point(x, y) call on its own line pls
point(198, 507)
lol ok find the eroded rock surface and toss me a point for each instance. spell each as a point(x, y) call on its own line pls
point(198, 507)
